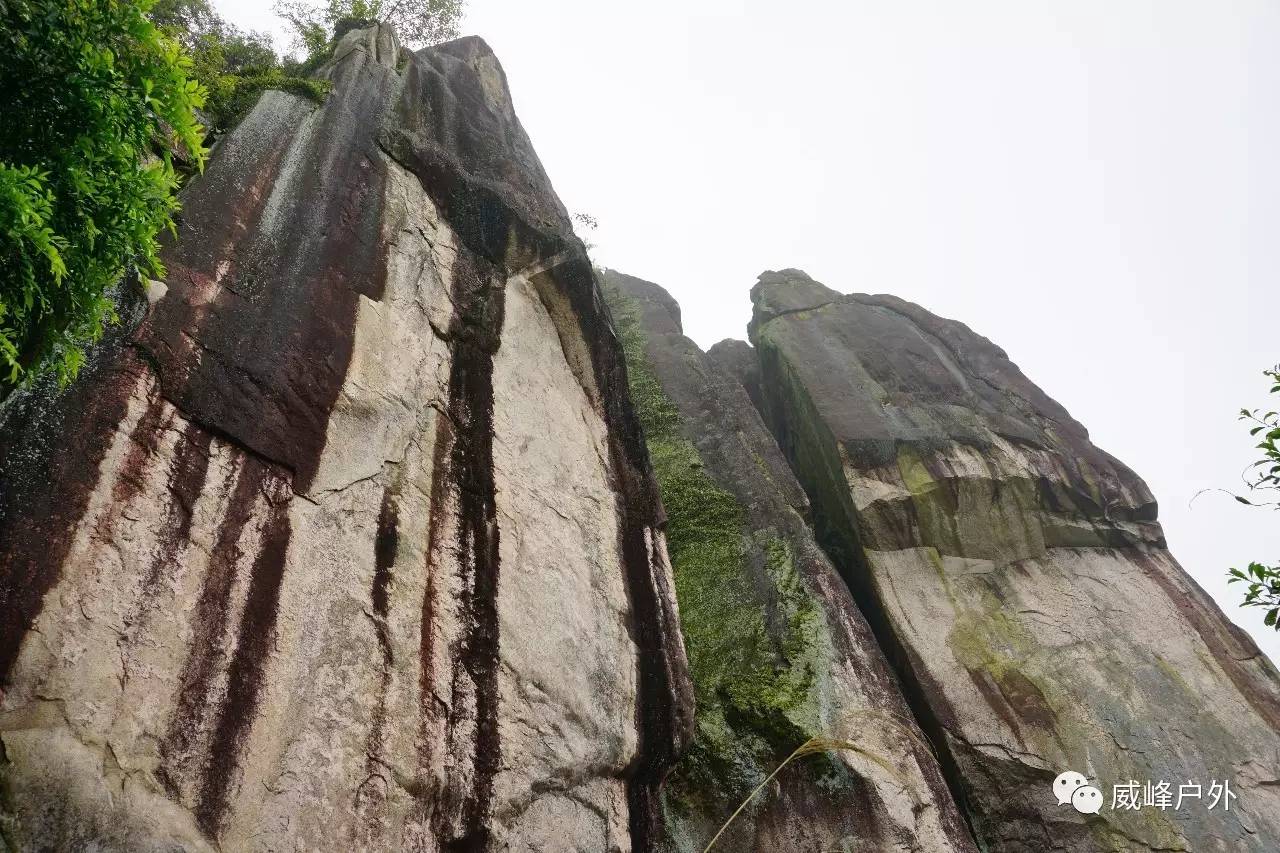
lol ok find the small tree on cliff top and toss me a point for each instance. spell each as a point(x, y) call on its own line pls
point(416, 22)
point(1264, 484)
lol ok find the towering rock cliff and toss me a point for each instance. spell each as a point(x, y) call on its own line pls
point(778, 650)
point(348, 540)
point(1016, 576)
point(353, 535)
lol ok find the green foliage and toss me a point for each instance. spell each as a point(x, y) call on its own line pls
point(752, 691)
point(233, 95)
point(1263, 481)
point(97, 100)
point(417, 22)
point(215, 46)
point(233, 65)
point(1264, 589)
point(1265, 473)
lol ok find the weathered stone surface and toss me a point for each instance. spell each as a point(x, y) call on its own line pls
point(349, 537)
point(778, 650)
point(1018, 578)
point(350, 540)
point(737, 359)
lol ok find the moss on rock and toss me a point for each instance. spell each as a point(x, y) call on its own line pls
point(231, 96)
point(753, 687)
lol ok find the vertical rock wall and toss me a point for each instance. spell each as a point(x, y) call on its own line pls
point(778, 650)
point(1018, 579)
point(348, 538)
point(349, 541)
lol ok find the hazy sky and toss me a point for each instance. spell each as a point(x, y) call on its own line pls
point(1092, 185)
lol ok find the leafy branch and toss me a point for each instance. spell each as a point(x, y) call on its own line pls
point(1264, 589)
point(1263, 477)
point(98, 104)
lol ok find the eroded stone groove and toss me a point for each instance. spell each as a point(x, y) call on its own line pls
point(655, 711)
point(823, 481)
point(514, 228)
point(435, 563)
point(187, 473)
point(384, 554)
point(475, 332)
point(385, 547)
point(665, 696)
point(462, 484)
point(664, 707)
point(929, 708)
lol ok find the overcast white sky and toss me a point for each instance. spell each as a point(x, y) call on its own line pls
point(1093, 185)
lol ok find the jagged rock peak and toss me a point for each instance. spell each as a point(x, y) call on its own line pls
point(1017, 577)
point(378, 41)
point(782, 291)
point(661, 311)
point(350, 540)
point(737, 359)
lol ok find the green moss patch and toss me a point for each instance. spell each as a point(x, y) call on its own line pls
point(754, 688)
point(231, 96)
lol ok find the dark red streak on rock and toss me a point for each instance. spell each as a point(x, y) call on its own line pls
point(248, 666)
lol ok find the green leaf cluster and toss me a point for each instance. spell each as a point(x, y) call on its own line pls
point(1265, 473)
point(1263, 480)
point(234, 66)
point(98, 102)
point(1264, 588)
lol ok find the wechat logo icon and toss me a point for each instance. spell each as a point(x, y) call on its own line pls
point(1065, 785)
point(1071, 787)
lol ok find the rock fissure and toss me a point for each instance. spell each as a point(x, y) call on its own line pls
point(777, 650)
point(476, 544)
point(843, 553)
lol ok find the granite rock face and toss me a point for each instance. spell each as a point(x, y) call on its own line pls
point(349, 541)
point(366, 528)
point(1018, 578)
point(778, 649)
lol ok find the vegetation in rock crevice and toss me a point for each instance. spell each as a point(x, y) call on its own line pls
point(755, 695)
